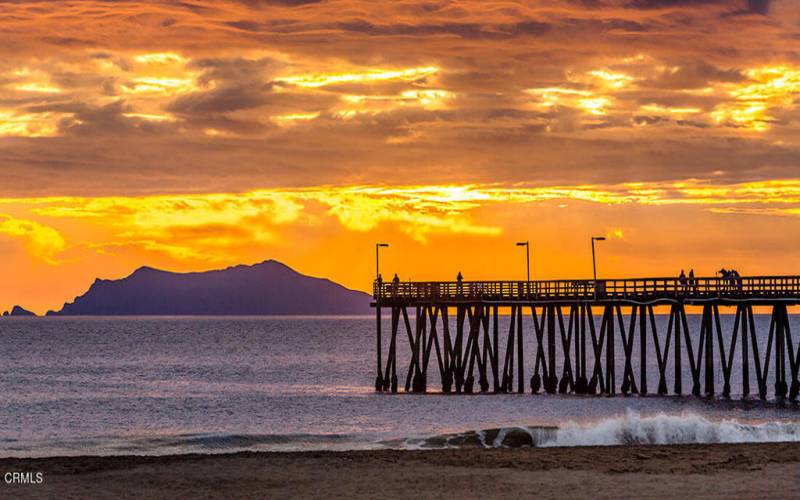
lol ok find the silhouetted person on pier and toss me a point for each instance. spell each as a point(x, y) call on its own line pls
point(395, 284)
point(379, 282)
point(682, 281)
point(460, 284)
point(737, 279)
point(692, 282)
point(731, 279)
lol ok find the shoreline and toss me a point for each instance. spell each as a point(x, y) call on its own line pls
point(655, 471)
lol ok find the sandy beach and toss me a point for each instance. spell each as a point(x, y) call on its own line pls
point(689, 471)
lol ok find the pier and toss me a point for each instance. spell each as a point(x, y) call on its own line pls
point(456, 332)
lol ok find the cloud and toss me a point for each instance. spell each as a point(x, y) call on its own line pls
point(41, 242)
point(219, 101)
point(285, 3)
point(344, 92)
point(664, 4)
point(187, 224)
point(758, 6)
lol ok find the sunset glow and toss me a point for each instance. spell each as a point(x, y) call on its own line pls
point(191, 137)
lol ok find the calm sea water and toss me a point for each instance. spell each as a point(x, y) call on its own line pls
point(174, 385)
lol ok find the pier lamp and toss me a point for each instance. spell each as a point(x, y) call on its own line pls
point(594, 263)
point(528, 263)
point(378, 258)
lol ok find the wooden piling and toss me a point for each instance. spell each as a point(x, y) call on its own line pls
point(745, 354)
point(709, 350)
point(551, 383)
point(379, 377)
point(496, 351)
point(642, 349)
point(610, 382)
point(677, 351)
point(520, 354)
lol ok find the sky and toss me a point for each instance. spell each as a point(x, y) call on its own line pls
point(190, 135)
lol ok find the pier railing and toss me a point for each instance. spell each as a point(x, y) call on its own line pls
point(635, 289)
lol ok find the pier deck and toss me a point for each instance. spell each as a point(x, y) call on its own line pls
point(770, 289)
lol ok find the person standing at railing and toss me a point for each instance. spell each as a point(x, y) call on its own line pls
point(692, 281)
point(459, 284)
point(736, 279)
point(379, 283)
point(682, 281)
point(395, 285)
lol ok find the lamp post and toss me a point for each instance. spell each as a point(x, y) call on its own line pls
point(528, 264)
point(378, 258)
point(594, 264)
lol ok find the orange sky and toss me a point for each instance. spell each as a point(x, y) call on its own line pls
point(196, 135)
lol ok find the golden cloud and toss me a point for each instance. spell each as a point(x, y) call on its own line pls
point(41, 242)
point(358, 77)
point(591, 92)
point(184, 225)
point(767, 88)
point(30, 124)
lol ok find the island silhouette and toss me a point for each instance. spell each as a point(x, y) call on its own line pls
point(267, 288)
point(18, 311)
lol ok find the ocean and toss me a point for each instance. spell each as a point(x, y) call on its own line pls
point(154, 386)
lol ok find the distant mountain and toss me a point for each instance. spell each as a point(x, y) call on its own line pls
point(18, 311)
point(261, 289)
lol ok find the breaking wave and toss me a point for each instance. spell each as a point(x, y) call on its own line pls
point(629, 429)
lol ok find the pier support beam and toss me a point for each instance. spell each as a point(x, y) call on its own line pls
point(581, 384)
point(726, 361)
point(520, 355)
point(794, 362)
point(781, 320)
point(628, 382)
point(676, 320)
point(567, 383)
point(597, 380)
point(508, 365)
point(709, 349)
point(662, 357)
point(379, 376)
point(540, 361)
point(496, 350)
point(745, 353)
point(551, 381)
point(390, 376)
point(611, 386)
point(643, 349)
point(449, 356)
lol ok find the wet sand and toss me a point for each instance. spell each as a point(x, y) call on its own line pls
point(688, 471)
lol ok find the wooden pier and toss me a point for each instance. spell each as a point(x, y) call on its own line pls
point(560, 315)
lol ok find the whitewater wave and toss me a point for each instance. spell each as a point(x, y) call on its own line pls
point(629, 429)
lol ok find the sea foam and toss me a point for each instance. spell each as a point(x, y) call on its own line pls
point(685, 428)
point(630, 428)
